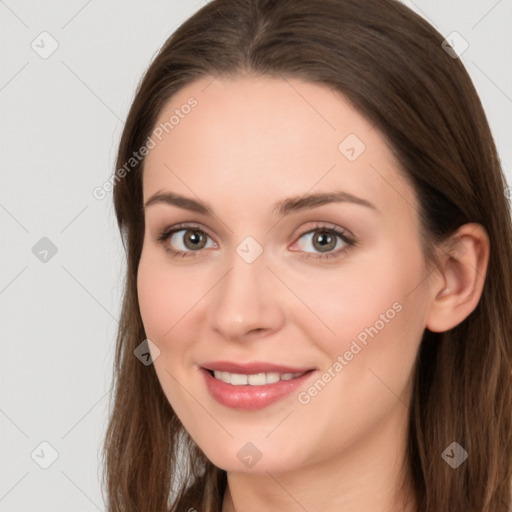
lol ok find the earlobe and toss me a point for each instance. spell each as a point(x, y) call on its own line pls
point(463, 265)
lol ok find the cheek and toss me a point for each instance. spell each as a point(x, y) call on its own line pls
point(161, 306)
point(159, 296)
point(370, 360)
point(149, 293)
point(344, 303)
point(170, 302)
point(372, 313)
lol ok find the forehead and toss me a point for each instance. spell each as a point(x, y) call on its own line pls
point(268, 138)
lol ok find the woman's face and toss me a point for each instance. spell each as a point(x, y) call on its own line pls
point(273, 285)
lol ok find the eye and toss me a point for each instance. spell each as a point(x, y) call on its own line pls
point(185, 240)
point(191, 240)
point(325, 239)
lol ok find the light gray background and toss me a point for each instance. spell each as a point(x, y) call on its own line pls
point(61, 122)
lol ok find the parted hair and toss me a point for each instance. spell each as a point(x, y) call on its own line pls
point(390, 64)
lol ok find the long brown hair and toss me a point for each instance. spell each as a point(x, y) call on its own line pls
point(390, 64)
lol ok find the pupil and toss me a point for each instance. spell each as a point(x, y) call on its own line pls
point(193, 237)
point(324, 242)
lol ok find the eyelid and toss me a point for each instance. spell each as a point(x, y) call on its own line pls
point(318, 226)
point(168, 231)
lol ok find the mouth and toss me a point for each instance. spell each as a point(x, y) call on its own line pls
point(254, 379)
point(252, 391)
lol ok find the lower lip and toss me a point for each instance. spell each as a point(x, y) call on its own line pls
point(251, 398)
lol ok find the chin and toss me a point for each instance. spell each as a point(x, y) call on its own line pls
point(251, 459)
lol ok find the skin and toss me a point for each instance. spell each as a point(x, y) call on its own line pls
point(250, 142)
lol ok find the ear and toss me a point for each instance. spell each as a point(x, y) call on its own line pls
point(458, 288)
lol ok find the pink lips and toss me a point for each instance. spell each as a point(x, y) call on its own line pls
point(247, 397)
point(251, 368)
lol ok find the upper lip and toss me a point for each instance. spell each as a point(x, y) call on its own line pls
point(251, 368)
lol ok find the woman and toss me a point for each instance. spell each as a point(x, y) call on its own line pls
point(319, 259)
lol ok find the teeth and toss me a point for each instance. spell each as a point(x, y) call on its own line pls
point(257, 379)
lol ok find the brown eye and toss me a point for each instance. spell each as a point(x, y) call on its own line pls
point(324, 240)
point(188, 239)
point(194, 239)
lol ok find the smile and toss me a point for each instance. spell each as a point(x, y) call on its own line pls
point(252, 391)
point(256, 379)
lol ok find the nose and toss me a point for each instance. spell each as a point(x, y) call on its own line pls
point(246, 301)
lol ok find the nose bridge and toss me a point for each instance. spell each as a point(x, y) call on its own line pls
point(241, 301)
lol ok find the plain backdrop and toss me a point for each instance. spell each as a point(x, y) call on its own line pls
point(62, 265)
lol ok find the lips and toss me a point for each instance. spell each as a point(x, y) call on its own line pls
point(252, 398)
point(252, 368)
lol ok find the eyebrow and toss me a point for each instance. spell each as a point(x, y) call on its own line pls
point(281, 208)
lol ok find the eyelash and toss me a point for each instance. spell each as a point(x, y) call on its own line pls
point(348, 240)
